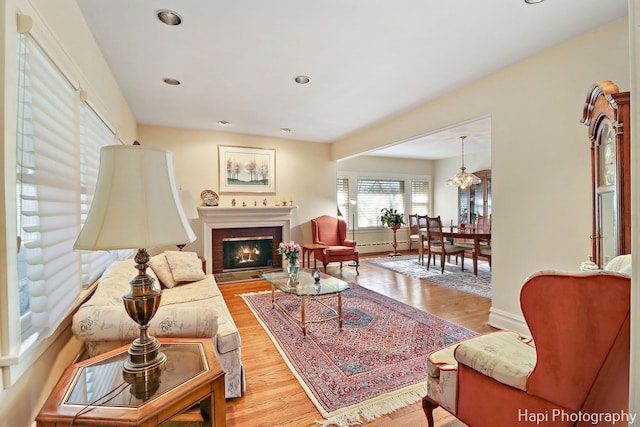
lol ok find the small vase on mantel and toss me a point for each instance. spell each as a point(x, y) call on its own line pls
point(293, 268)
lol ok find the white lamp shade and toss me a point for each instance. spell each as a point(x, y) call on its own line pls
point(136, 203)
point(188, 204)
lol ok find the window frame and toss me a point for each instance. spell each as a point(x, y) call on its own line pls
point(17, 355)
point(353, 178)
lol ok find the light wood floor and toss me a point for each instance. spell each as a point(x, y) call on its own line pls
point(275, 398)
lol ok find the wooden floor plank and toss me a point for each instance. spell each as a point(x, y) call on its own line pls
point(275, 398)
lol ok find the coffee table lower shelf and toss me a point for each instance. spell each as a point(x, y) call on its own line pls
point(303, 321)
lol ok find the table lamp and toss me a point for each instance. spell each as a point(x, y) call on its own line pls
point(136, 206)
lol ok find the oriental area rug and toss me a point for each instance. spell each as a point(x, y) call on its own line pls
point(375, 366)
point(453, 276)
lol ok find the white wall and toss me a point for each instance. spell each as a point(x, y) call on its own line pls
point(539, 156)
point(303, 170)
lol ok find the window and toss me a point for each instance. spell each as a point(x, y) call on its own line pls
point(56, 159)
point(365, 196)
point(94, 134)
point(419, 197)
point(47, 179)
point(375, 194)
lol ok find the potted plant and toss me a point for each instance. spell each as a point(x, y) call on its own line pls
point(391, 218)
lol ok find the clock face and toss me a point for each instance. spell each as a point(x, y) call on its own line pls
point(607, 155)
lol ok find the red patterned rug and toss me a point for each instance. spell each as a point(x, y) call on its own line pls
point(375, 366)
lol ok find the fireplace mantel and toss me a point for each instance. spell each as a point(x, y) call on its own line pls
point(242, 217)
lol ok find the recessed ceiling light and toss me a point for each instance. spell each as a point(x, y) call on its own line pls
point(303, 80)
point(169, 17)
point(285, 130)
point(223, 123)
point(170, 81)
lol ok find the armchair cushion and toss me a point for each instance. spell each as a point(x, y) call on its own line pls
point(442, 368)
point(338, 250)
point(502, 356)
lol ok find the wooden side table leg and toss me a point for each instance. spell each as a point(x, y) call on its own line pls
point(219, 403)
point(208, 411)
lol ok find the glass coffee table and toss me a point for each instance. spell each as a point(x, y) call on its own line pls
point(307, 290)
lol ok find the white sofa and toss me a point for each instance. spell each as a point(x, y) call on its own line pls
point(188, 309)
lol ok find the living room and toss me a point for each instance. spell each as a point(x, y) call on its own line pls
point(540, 160)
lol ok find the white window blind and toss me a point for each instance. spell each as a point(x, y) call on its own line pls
point(94, 134)
point(48, 186)
point(375, 194)
point(420, 197)
point(342, 195)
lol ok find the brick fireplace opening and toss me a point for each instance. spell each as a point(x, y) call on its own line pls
point(245, 249)
point(228, 222)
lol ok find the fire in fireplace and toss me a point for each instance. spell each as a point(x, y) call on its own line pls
point(247, 253)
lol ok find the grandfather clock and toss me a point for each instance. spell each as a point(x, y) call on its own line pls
point(607, 114)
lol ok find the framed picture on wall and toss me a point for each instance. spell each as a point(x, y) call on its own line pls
point(247, 170)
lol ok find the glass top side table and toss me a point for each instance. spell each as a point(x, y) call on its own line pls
point(94, 391)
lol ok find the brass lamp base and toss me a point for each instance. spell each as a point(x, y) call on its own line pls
point(141, 304)
point(144, 384)
point(144, 358)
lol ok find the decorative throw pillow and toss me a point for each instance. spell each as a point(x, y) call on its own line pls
point(160, 267)
point(185, 266)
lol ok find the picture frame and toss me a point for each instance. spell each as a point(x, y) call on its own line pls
point(246, 169)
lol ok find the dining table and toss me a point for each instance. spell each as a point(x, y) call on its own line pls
point(457, 232)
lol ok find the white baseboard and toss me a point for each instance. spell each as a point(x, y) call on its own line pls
point(504, 320)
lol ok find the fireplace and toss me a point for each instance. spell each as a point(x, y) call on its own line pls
point(247, 253)
point(237, 227)
point(246, 248)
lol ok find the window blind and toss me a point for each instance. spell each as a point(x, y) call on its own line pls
point(94, 134)
point(420, 197)
point(48, 183)
point(375, 194)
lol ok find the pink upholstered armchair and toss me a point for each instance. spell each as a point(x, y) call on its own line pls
point(577, 362)
point(332, 233)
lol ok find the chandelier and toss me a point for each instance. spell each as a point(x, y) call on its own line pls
point(463, 179)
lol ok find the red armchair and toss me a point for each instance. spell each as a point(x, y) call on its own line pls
point(332, 233)
point(576, 364)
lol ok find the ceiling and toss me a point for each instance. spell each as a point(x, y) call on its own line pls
point(367, 60)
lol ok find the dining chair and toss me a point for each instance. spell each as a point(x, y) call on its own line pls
point(483, 225)
point(437, 245)
point(415, 223)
